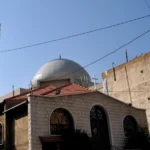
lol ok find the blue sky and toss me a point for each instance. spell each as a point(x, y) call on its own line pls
point(31, 21)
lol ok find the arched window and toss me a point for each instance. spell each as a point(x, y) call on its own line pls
point(130, 126)
point(60, 121)
point(1, 134)
point(99, 125)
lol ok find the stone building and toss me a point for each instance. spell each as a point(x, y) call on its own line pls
point(58, 101)
point(130, 82)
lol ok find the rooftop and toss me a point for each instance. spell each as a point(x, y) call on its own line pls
point(50, 90)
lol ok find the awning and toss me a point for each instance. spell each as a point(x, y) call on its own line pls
point(18, 105)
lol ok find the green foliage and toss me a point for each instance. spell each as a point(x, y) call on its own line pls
point(139, 140)
point(98, 143)
point(76, 140)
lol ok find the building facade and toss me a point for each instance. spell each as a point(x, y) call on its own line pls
point(37, 118)
point(130, 82)
point(80, 106)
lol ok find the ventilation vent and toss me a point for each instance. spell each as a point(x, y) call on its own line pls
point(57, 92)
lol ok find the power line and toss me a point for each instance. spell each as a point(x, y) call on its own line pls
point(75, 35)
point(128, 91)
point(106, 54)
point(124, 91)
point(147, 4)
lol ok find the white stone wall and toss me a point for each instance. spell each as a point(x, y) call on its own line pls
point(40, 109)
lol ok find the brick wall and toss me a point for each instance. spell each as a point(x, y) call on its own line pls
point(40, 109)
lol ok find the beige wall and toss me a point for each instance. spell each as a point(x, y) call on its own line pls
point(40, 109)
point(21, 133)
point(135, 78)
point(98, 87)
point(16, 92)
point(16, 128)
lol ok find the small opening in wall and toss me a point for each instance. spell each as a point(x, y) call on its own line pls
point(130, 104)
point(57, 91)
point(141, 71)
point(148, 98)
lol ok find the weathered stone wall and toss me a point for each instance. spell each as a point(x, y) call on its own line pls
point(21, 133)
point(16, 129)
point(133, 76)
point(40, 109)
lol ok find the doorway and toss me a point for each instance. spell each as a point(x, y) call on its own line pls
point(99, 128)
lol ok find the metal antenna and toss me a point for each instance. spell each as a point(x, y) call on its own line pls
point(114, 72)
point(59, 56)
point(13, 92)
point(126, 56)
point(31, 87)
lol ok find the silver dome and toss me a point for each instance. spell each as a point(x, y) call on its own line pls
point(59, 69)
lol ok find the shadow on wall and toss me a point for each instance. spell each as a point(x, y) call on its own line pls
point(139, 140)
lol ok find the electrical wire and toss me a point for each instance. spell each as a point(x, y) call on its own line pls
point(75, 35)
point(95, 61)
point(123, 91)
point(147, 4)
point(129, 91)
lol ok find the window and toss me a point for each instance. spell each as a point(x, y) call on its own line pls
point(1, 134)
point(99, 125)
point(130, 126)
point(60, 121)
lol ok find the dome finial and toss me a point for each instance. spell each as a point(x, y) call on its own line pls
point(59, 56)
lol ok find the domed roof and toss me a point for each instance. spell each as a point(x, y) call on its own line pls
point(59, 69)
